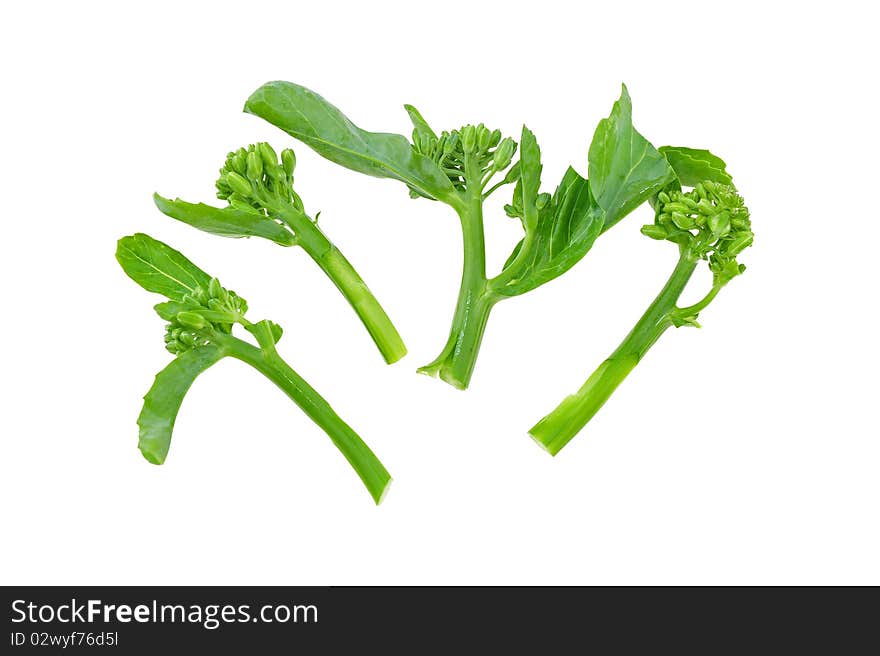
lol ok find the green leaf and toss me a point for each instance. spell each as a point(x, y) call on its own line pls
point(694, 165)
point(529, 178)
point(306, 116)
point(267, 333)
point(162, 402)
point(625, 169)
point(420, 125)
point(159, 268)
point(227, 221)
point(565, 231)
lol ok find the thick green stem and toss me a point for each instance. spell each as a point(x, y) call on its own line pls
point(347, 280)
point(455, 364)
point(371, 471)
point(556, 429)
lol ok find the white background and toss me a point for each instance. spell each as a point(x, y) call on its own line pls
point(745, 452)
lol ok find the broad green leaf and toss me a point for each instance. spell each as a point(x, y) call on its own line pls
point(694, 165)
point(529, 178)
point(625, 169)
point(162, 402)
point(420, 125)
point(566, 229)
point(306, 116)
point(226, 221)
point(159, 268)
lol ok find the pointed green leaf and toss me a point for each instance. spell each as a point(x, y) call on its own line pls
point(162, 401)
point(422, 132)
point(159, 268)
point(694, 165)
point(420, 125)
point(625, 169)
point(226, 221)
point(565, 231)
point(306, 116)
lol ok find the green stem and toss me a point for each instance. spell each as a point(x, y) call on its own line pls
point(556, 429)
point(494, 187)
point(455, 364)
point(692, 310)
point(347, 280)
point(371, 471)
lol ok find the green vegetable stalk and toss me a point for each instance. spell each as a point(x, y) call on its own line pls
point(200, 315)
point(262, 202)
point(462, 168)
point(709, 223)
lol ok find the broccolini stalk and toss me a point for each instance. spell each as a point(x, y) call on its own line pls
point(200, 314)
point(262, 202)
point(708, 223)
point(462, 168)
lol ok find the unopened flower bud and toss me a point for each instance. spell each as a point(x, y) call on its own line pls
point(503, 154)
point(675, 206)
point(450, 143)
point(484, 136)
point(655, 231)
point(254, 166)
point(512, 174)
point(215, 289)
point(191, 320)
point(740, 242)
point(719, 224)
point(706, 207)
point(682, 221)
point(267, 153)
point(239, 184)
point(468, 138)
point(288, 161)
point(739, 222)
point(239, 162)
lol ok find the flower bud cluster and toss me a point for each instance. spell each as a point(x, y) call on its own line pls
point(711, 220)
point(485, 149)
point(209, 309)
point(253, 178)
